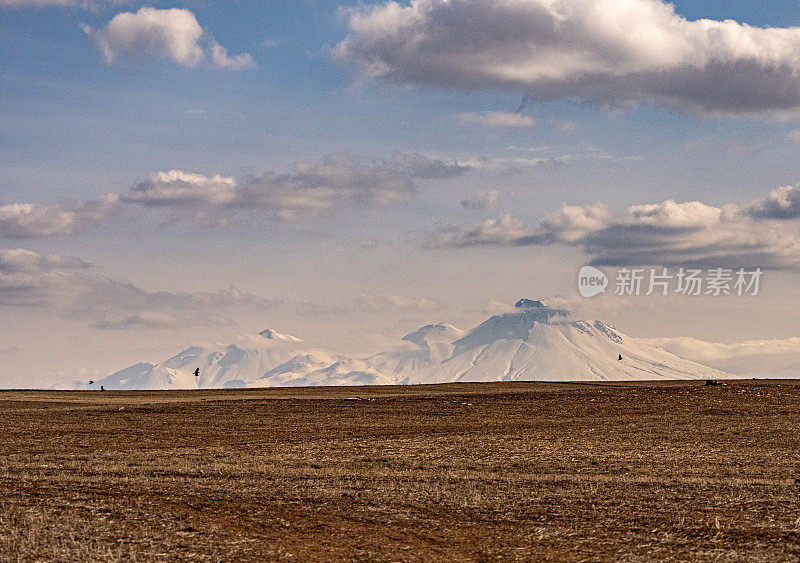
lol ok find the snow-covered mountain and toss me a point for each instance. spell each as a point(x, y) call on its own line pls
point(231, 365)
point(533, 343)
point(538, 343)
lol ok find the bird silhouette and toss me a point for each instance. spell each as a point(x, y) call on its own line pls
point(197, 372)
point(620, 357)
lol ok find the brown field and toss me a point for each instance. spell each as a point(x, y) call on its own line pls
point(459, 472)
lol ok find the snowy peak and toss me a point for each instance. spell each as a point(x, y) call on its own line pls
point(536, 342)
point(270, 334)
point(440, 332)
point(533, 342)
point(510, 326)
point(537, 311)
point(306, 363)
point(529, 303)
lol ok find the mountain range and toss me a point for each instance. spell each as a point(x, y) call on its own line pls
point(535, 342)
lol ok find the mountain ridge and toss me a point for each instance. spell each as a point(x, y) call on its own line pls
point(534, 342)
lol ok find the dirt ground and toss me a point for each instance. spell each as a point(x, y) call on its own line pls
point(502, 471)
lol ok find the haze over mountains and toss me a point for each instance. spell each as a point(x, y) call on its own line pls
point(535, 342)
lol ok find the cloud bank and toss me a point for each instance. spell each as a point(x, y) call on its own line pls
point(781, 203)
point(310, 188)
point(72, 289)
point(752, 358)
point(761, 234)
point(604, 52)
point(172, 34)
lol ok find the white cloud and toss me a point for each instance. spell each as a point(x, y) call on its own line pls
point(183, 188)
point(172, 34)
point(219, 55)
point(605, 52)
point(497, 119)
point(752, 358)
point(669, 214)
point(572, 223)
point(39, 220)
point(666, 233)
point(335, 179)
point(310, 188)
point(781, 203)
point(794, 136)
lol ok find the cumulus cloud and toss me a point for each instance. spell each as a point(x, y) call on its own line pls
point(220, 58)
point(481, 201)
point(666, 233)
point(605, 52)
point(573, 223)
point(752, 358)
point(172, 34)
point(39, 220)
point(781, 203)
point(310, 188)
point(70, 287)
point(182, 188)
point(497, 119)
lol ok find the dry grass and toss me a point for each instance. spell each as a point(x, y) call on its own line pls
point(462, 472)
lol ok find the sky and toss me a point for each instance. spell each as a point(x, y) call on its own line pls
point(183, 172)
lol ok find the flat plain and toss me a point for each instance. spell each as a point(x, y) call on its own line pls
point(498, 471)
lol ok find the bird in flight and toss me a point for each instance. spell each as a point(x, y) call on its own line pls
point(197, 372)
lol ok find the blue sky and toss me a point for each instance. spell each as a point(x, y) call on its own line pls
point(74, 127)
point(151, 115)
